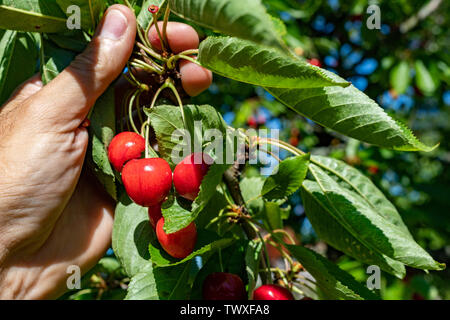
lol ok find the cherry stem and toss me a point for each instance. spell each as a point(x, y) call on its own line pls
point(144, 125)
point(138, 27)
point(279, 245)
point(131, 81)
point(180, 103)
point(142, 36)
point(127, 3)
point(143, 65)
point(161, 39)
point(141, 119)
point(305, 285)
point(299, 276)
point(123, 111)
point(220, 260)
point(283, 145)
point(271, 154)
point(166, 20)
point(221, 215)
point(283, 276)
point(147, 131)
point(265, 253)
point(130, 110)
point(182, 55)
point(134, 81)
point(294, 288)
point(285, 233)
point(151, 52)
point(226, 195)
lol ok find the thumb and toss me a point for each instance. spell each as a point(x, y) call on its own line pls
point(67, 99)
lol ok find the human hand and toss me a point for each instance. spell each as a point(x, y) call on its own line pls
point(52, 213)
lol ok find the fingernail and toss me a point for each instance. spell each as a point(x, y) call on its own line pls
point(114, 26)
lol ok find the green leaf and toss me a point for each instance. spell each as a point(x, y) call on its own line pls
point(211, 210)
point(354, 180)
point(7, 43)
point(72, 41)
point(352, 113)
point(287, 177)
point(400, 77)
point(424, 80)
point(329, 230)
point(208, 187)
point(165, 120)
point(32, 16)
point(91, 11)
point(160, 284)
point(53, 60)
point(248, 62)
point(176, 218)
point(131, 236)
point(371, 228)
point(108, 265)
point(144, 18)
point(279, 25)
point(334, 282)
point(243, 19)
point(251, 192)
point(207, 243)
point(102, 131)
point(272, 216)
point(252, 256)
point(18, 56)
point(142, 287)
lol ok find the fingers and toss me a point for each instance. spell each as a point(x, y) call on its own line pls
point(68, 98)
point(81, 237)
point(194, 79)
point(27, 89)
point(22, 93)
point(181, 37)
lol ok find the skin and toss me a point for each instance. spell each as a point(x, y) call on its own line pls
point(53, 214)
point(196, 79)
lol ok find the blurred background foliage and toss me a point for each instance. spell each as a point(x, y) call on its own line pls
point(405, 67)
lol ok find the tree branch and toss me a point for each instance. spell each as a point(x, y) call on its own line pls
point(424, 12)
point(231, 179)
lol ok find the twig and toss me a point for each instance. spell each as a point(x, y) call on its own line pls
point(424, 12)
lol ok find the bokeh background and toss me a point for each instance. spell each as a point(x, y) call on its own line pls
point(404, 66)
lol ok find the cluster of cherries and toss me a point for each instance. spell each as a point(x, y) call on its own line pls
point(148, 182)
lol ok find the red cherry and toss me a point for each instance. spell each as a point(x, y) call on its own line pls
point(356, 17)
point(124, 147)
point(373, 169)
point(417, 296)
point(315, 62)
point(188, 175)
point(223, 286)
point(272, 292)
point(179, 244)
point(154, 214)
point(147, 181)
point(251, 121)
point(294, 141)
